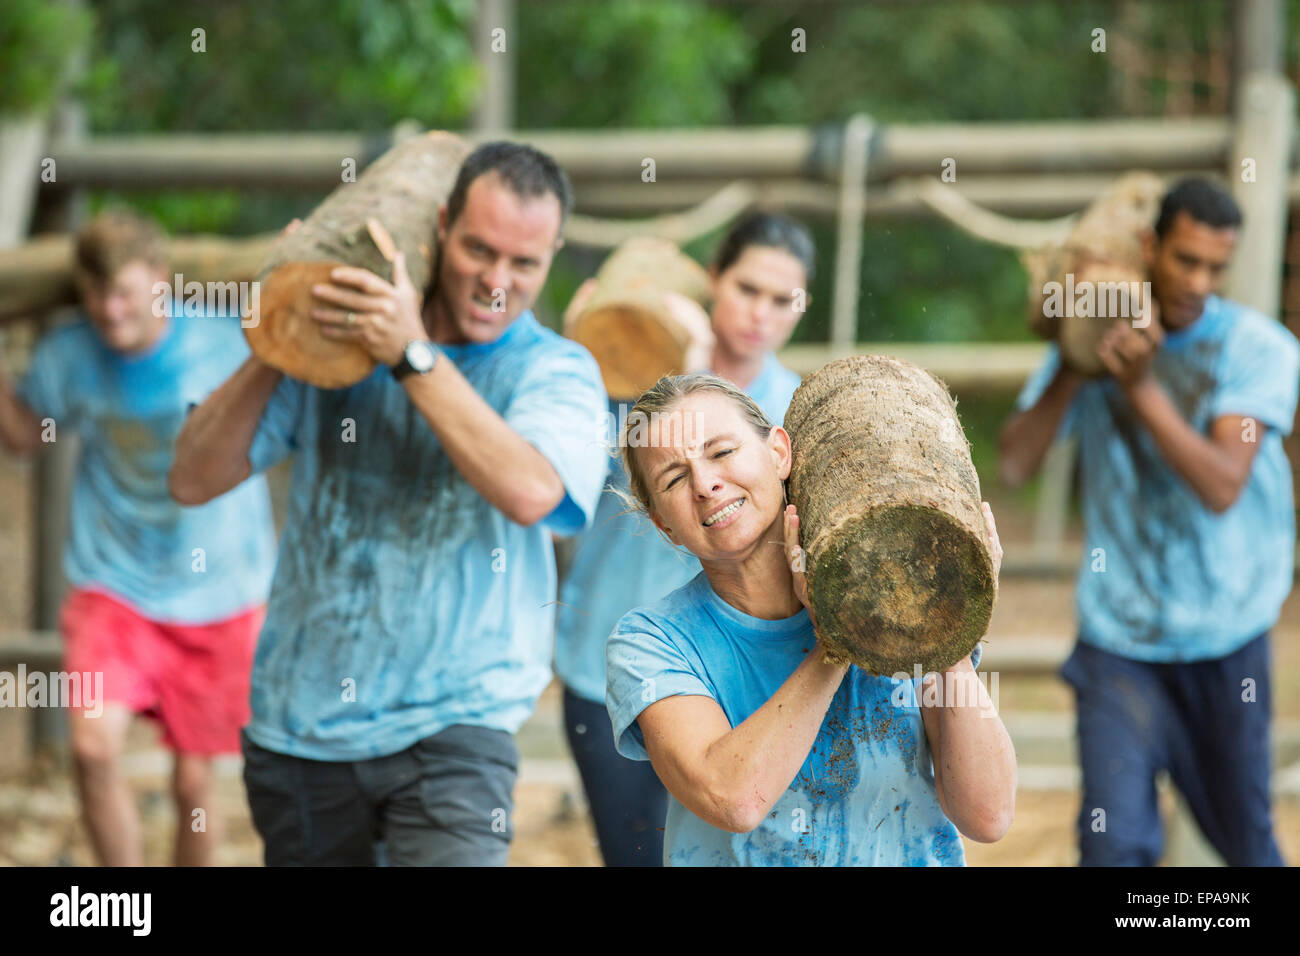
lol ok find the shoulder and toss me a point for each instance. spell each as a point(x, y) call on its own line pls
point(74, 341)
point(76, 334)
point(551, 347)
point(538, 358)
point(665, 617)
point(1248, 330)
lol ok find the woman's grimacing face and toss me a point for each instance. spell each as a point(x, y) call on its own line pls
point(705, 458)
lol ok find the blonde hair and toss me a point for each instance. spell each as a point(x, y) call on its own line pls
point(660, 400)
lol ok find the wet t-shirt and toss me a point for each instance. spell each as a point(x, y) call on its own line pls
point(126, 535)
point(864, 796)
point(1163, 577)
point(403, 602)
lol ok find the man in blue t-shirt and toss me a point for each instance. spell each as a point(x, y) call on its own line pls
point(165, 602)
point(1190, 537)
point(410, 624)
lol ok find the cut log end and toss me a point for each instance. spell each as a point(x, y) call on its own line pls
point(632, 346)
point(900, 586)
point(287, 338)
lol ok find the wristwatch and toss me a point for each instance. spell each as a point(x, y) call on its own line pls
point(418, 357)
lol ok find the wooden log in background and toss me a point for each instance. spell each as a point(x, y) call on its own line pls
point(897, 551)
point(37, 275)
point(1104, 246)
point(396, 199)
point(627, 325)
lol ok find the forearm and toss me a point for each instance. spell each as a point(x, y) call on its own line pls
point(1028, 435)
point(1211, 473)
point(750, 767)
point(20, 428)
point(477, 440)
point(212, 449)
point(974, 759)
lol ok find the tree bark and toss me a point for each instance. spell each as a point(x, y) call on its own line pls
point(896, 549)
point(1105, 246)
point(398, 197)
point(627, 325)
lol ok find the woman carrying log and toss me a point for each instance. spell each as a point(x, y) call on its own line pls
point(772, 755)
point(762, 267)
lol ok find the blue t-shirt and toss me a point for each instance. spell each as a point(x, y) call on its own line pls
point(865, 794)
point(126, 535)
point(403, 602)
point(1163, 577)
point(622, 561)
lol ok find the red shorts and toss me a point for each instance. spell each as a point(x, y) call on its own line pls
point(192, 678)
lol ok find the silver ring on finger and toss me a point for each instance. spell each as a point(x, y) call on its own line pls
point(352, 318)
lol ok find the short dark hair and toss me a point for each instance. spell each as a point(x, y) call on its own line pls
point(767, 229)
point(528, 172)
point(1203, 200)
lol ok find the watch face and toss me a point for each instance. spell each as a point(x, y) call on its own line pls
point(421, 356)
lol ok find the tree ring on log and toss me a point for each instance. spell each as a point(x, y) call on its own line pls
point(289, 339)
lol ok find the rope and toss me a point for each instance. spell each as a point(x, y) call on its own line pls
point(990, 226)
point(680, 227)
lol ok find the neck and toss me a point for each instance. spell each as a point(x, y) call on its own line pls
point(439, 324)
point(760, 584)
point(154, 336)
point(741, 372)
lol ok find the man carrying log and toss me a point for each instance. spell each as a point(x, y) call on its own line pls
point(165, 601)
point(409, 627)
point(1187, 505)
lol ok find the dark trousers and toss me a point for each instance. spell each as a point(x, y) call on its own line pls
point(628, 803)
point(1205, 722)
point(446, 801)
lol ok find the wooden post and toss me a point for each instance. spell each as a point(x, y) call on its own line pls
point(54, 468)
point(848, 240)
point(1259, 172)
point(495, 52)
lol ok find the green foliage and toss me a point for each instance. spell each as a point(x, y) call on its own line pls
point(38, 39)
point(630, 64)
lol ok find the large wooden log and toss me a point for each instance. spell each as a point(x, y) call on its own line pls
point(897, 552)
point(1102, 250)
point(37, 276)
point(627, 324)
point(392, 207)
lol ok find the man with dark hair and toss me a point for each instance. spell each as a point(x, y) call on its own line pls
point(409, 628)
point(164, 602)
point(1188, 513)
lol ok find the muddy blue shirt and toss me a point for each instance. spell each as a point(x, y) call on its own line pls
point(864, 796)
point(622, 561)
point(126, 535)
point(1163, 577)
point(403, 602)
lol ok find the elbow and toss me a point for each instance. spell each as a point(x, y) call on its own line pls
point(991, 824)
point(531, 505)
point(1220, 500)
point(726, 809)
point(183, 491)
point(739, 816)
point(186, 487)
